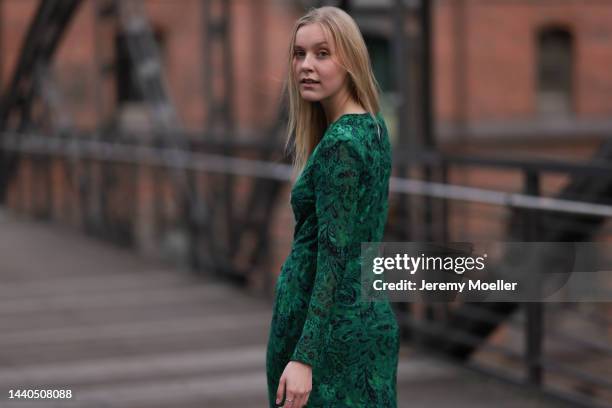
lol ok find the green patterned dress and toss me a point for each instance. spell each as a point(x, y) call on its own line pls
point(338, 201)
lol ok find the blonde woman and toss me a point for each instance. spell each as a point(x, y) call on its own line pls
point(327, 347)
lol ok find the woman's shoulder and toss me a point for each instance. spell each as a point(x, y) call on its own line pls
point(352, 125)
point(340, 136)
point(354, 131)
point(344, 141)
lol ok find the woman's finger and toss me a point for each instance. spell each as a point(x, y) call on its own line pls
point(297, 398)
point(299, 402)
point(290, 400)
point(280, 390)
point(306, 398)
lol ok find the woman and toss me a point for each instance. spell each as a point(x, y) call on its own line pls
point(327, 347)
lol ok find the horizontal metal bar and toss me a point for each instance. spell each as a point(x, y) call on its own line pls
point(579, 341)
point(252, 141)
point(594, 166)
point(154, 156)
point(574, 373)
point(181, 159)
point(593, 317)
point(480, 195)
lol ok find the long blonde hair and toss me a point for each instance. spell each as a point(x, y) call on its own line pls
point(307, 119)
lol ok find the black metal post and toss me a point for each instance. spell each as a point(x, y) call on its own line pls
point(402, 91)
point(403, 139)
point(229, 123)
point(534, 310)
point(427, 67)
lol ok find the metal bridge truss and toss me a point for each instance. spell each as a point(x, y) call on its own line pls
point(217, 228)
point(218, 233)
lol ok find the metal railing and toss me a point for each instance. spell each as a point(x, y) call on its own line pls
point(528, 204)
point(578, 220)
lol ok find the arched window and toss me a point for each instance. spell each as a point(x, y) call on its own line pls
point(555, 66)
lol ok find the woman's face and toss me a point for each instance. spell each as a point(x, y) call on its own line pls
point(319, 77)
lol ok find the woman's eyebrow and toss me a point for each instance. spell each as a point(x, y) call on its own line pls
point(315, 45)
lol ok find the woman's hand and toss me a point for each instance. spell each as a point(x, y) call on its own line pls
point(296, 382)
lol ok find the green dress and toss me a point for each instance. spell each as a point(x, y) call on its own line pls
point(338, 201)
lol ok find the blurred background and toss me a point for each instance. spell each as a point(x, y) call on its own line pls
point(144, 192)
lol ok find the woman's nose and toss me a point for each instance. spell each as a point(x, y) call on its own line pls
point(307, 63)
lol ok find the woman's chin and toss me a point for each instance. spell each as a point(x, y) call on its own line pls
point(310, 97)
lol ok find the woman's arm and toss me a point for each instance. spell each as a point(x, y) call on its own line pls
point(337, 192)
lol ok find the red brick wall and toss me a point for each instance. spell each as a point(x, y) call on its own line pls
point(259, 37)
point(497, 80)
point(499, 59)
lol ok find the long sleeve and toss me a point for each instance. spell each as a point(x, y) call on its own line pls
point(338, 189)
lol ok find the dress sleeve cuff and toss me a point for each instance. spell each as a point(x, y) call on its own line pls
point(306, 358)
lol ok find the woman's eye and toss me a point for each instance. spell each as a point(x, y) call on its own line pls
point(302, 54)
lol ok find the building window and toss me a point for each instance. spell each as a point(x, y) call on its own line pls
point(555, 63)
point(380, 54)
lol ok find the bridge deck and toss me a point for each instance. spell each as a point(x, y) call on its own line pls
point(120, 331)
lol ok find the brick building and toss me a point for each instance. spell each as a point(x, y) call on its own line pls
point(513, 67)
point(500, 66)
point(507, 73)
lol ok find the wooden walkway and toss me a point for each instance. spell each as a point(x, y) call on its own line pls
point(120, 331)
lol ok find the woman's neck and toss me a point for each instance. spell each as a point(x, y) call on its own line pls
point(350, 107)
point(334, 110)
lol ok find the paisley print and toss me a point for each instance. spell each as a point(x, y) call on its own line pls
point(318, 318)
